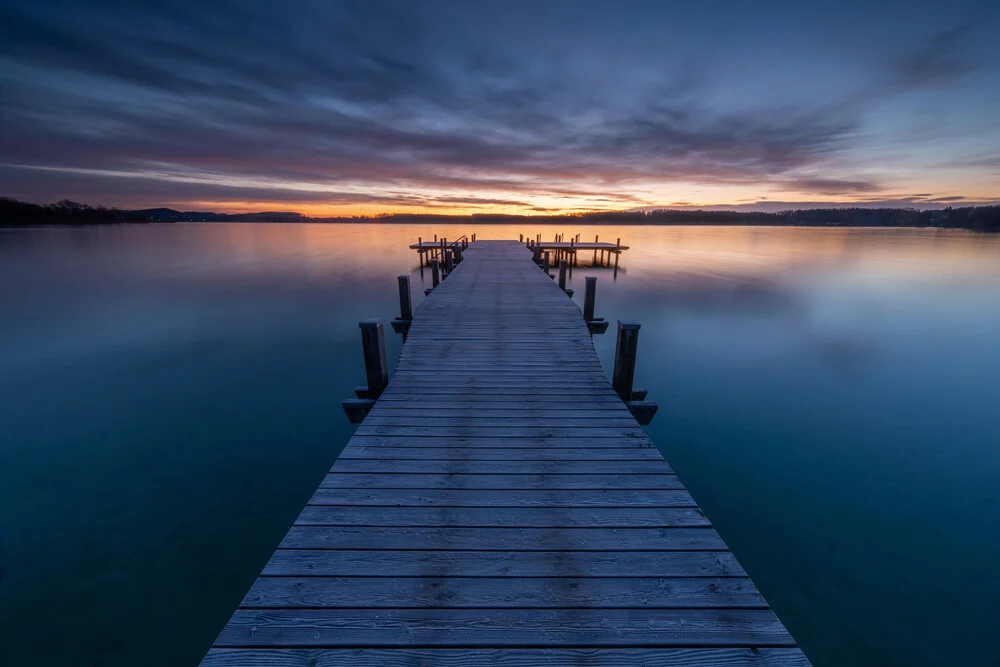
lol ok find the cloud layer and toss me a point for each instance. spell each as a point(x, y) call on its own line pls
point(461, 106)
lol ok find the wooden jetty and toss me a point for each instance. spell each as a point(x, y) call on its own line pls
point(501, 505)
point(559, 247)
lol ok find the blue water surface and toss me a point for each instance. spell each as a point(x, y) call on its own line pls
point(169, 399)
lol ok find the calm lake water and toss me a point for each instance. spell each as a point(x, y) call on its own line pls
point(171, 398)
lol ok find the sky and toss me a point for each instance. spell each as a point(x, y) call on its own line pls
point(349, 108)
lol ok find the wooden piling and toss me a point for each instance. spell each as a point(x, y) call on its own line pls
point(405, 307)
point(562, 274)
point(545, 262)
point(589, 297)
point(373, 343)
point(625, 350)
point(435, 273)
point(449, 262)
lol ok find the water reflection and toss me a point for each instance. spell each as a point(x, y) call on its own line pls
point(171, 399)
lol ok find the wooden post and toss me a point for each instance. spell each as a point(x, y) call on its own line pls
point(449, 262)
point(562, 274)
point(435, 273)
point(545, 262)
point(589, 296)
point(458, 253)
point(618, 252)
point(473, 238)
point(522, 238)
point(625, 349)
point(405, 309)
point(420, 250)
point(596, 238)
point(373, 342)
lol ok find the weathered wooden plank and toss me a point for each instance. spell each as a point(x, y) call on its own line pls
point(503, 482)
point(511, 400)
point(498, 593)
point(494, 498)
point(500, 467)
point(524, 421)
point(494, 440)
point(502, 538)
point(444, 454)
point(519, 412)
point(483, 407)
point(350, 563)
point(504, 627)
point(508, 517)
point(501, 431)
point(508, 657)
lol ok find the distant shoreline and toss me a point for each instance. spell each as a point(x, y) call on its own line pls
point(4, 225)
point(975, 218)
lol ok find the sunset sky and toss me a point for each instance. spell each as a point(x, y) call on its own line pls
point(517, 107)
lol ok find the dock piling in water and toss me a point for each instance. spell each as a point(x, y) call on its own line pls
point(589, 297)
point(376, 369)
point(625, 351)
point(594, 324)
point(624, 374)
point(401, 324)
point(563, 264)
point(405, 307)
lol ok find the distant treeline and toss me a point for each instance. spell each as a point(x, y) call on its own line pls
point(979, 218)
point(16, 213)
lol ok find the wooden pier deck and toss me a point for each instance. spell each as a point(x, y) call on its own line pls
point(500, 505)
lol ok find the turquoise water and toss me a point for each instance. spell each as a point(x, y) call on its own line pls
point(170, 399)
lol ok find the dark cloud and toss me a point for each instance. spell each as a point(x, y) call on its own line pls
point(830, 186)
point(431, 101)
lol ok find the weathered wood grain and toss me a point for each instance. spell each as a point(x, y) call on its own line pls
point(373, 453)
point(484, 592)
point(526, 517)
point(504, 627)
point(549, 657)
point(504, 482)
point(457, 563)
point(495, 498)
point(503, 466)
point(502, 538)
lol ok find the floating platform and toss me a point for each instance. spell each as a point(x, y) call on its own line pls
point(500, 505)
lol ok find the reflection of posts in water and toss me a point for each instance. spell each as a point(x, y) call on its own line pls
point(618, 253)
